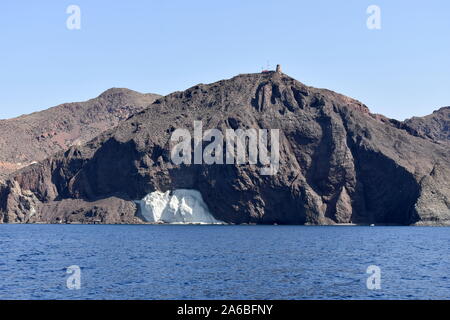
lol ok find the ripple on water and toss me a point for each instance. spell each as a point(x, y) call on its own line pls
point(223, 262)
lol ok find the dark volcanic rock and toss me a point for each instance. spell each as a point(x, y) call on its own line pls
point(435, 126)
point(338, 162)
point(36, 136)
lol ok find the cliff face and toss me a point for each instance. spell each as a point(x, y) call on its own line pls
point(34, 137)
point(338, 163)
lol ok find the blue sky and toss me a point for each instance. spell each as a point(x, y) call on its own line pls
point(154, 46)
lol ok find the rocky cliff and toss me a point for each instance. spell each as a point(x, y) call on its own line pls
point(435, 126)
point(34, 137)
point(338, 163)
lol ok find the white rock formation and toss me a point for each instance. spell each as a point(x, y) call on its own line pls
point(178, 206)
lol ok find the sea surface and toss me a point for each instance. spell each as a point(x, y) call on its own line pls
point(223, 262)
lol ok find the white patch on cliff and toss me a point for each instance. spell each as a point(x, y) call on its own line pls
point(178, 206)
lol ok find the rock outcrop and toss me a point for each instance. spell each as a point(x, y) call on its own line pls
point(435, 126)
point(34, 137)
point(338, 163)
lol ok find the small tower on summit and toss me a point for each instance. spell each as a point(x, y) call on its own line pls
point(278, 70)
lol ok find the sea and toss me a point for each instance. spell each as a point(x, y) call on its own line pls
point(99, 262)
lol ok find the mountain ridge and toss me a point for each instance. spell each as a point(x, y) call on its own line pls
point(435, 126)
point(42, 133)
point(339, 163)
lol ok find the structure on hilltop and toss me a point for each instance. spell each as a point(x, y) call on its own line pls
point(278, 70)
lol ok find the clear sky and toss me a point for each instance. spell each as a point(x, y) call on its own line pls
point(401, 70)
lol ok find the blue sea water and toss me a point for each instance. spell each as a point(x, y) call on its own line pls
point(223, 262)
